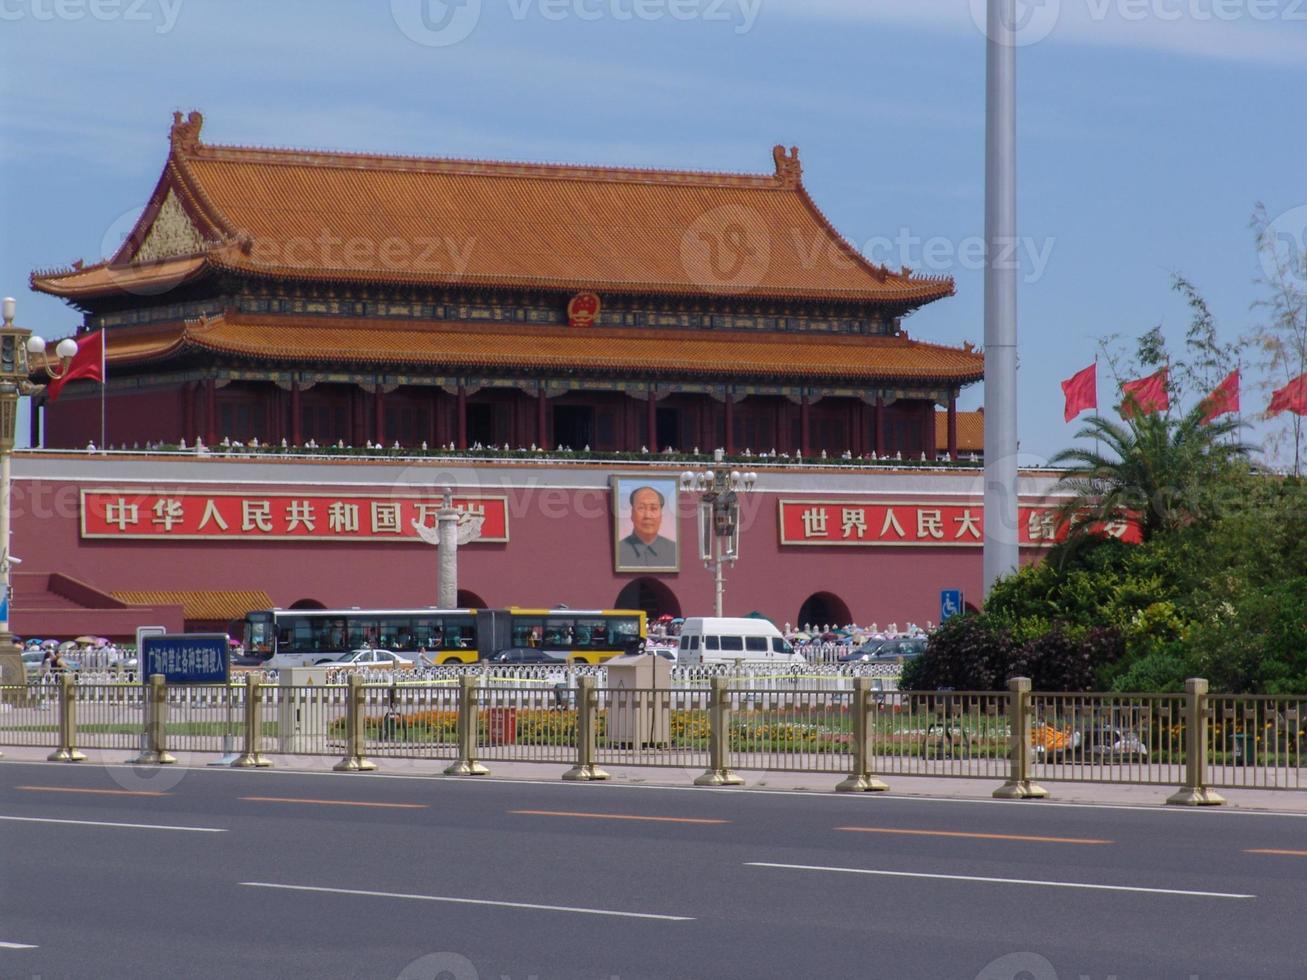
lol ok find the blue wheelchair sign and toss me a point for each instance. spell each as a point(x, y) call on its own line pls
point(950, 603)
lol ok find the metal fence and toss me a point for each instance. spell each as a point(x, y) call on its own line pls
point(707, 721)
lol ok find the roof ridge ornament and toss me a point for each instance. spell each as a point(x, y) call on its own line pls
point(788, 168)
point(185, 135)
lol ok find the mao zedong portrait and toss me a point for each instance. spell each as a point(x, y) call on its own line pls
point(645, 547)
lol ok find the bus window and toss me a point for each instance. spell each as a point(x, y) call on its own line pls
point(362, 633)
point(592, 633)
point(560, 634)
point(424, 629)
point(710, 643)
point(755, 644)
point(780, 646)
point(260, 633)
point(732, 643)
point(396, 633)
point(527, 632)
point(621, 629)
point(459, 633)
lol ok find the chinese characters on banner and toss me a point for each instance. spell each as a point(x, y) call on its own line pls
point(918, 524)
point(279, 516)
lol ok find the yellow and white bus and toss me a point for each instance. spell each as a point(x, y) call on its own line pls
point(309, 637)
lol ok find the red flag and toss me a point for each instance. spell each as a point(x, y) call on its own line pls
point(1291, 398)
point(1225, 398)
point(1145, 395)
point(87, 363)
point(1081, 391)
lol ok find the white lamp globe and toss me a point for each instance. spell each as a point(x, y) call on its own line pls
point(35, 345)
point(67, 348)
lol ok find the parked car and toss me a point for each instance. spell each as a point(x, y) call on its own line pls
point(902, 648)
point(1110, 743)
point(369, 658)
point(864, 652)
point(529, 655)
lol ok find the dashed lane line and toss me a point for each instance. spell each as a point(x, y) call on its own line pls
point(616, 816)
point(999, 881)
point(467, 901)
point(975, 836)
point(361, 803)
point(106, 823)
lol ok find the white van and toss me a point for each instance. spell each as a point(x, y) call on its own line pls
point(712, 640)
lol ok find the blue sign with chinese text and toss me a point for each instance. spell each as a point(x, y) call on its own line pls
point(186, 658)
point(950, 603)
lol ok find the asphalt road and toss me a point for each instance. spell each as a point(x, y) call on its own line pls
point(272, 874)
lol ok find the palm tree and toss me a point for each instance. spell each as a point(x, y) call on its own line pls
point(1162, 472)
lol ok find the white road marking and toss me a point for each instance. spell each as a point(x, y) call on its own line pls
point(129, 826)
point(999, 881)
point(467, 901)
point(18, 946)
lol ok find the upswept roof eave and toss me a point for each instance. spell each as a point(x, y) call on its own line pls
point(938, 287)
point(206, 336)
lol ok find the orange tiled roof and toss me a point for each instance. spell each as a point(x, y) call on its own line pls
point(213, 604)
point(513, 347)
point(971, 432)
point(352, 217)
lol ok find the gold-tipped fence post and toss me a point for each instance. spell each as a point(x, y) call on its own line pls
point(1019, 786)
point(719, 734)
point(860, 780)
point(467, 764)
point(251, 756)
point(1195, 791)
point(155, 752)
point(354, 760)
point(587, 731)
point(67, 750)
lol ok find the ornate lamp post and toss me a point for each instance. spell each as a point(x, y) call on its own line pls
point(15, 345)
point(719, 518)
point(453, 528)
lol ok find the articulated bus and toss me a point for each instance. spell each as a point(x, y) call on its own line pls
point(309, 637)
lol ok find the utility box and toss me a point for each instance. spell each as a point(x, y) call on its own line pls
point(302, 699)
point(639, 706)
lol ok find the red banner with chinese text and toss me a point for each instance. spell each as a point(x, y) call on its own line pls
point(204, 515)
point(917, 524)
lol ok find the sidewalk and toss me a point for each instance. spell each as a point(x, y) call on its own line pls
point(1108, 794)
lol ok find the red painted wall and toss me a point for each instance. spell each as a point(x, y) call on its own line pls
point(560, 551)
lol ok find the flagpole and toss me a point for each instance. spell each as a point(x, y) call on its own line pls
point(1097, 417)
point(104, 383)
point(1001, 553)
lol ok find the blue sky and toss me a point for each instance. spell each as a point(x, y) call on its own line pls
point(1148, 129)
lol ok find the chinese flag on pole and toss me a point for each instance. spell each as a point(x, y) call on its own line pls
point(1145, 395)
point(1081, 391)
point(1225, 398)
point(1291, 398)
point(87, 363)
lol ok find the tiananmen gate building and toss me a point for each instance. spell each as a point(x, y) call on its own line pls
point(529, 335)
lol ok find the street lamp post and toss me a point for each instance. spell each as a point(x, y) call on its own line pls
point(15, 382)
point(719, 518)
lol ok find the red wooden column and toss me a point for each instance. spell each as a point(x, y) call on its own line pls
point(653, 421)
point(210, 411)
point(880, 425)
point(929, 444)
point(34, 420)
point(379, 415)
point(462, 417)
point(193, 410)
point(296, 415)
point(542, 422)
point(953, 425)
point(439, 418)
point(730, 424)
point(188, 411)
point(805, 427)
